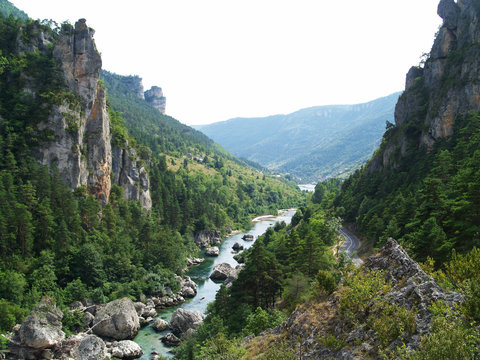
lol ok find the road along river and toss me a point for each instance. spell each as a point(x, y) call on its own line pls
point(149, 339)
point(350, 246)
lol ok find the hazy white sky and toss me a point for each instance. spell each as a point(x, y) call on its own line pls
point(218, 59)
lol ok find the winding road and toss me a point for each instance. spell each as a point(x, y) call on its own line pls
point(350, 246)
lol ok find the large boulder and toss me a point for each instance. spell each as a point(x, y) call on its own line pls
point(43, 327)
point(221, 271)
point(206, 238)
point(237, 247)
point(233, 275)
point(117, 320)
point(183, 320)
point(91, 347)
point(170, 340)
point(188, 287)
point(212, 251)
point(159, 325)
point(126, 349)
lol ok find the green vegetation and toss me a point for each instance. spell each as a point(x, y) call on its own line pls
point(66, 244)
point(429, 202)
point(285, 267)
point(7, 9)
point(309, 144)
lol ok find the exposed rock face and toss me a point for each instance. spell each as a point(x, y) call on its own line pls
point(81, 148)
point(205, 238)
point(131, 175)
point(183, 320)
point(410, 287)
point(91, 347)
point(155, 97)
point(40, 330)
point(134, 84)
point(188, 287)
point(117, 320)
point(221, 271)
point(447, 86)
point(160, 325)
point(213, 251)
point(171, 340)
point(126, 349)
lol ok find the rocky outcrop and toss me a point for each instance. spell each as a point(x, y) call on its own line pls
point(155, 97)
point(130, 173)
point(206, 238)
point(81, 147)
point(125, 349)
point(89, 347)
point(212, 251)
point(41, 330)
point(160, 325)
point(171, 340)
point(117, 320)
point(445, 87)
point(134, 84)
point(237, 247)
point(184, 320)
point(409, 287)
point(221, 272)
point(188, 288)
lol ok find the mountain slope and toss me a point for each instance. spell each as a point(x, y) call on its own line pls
point(311, 143)
point(7, 9)
point(422, 184)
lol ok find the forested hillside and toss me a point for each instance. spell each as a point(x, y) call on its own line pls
point(310, 144)
point(92, 242)
point(420, 187)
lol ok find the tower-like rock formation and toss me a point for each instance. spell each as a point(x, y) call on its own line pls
point(155, 97)
point(81, 144)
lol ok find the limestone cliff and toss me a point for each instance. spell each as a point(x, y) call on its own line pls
point(448, 85)
point(155, 97)
point(131, 175)
point(81, 148)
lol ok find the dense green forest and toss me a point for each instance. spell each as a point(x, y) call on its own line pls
point(66, 244)
point(429, 202)
point(285, 267)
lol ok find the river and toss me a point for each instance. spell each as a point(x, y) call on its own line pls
point(149, 339)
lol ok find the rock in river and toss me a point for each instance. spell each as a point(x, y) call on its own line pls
point(213, 251)
point(183, 320)
point(221, 271)
point(159, 324)
point(117, 320)
point(126, 349)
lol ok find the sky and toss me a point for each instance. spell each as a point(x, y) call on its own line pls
point(220, 59)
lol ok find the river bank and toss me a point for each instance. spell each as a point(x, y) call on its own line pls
point(149, 339)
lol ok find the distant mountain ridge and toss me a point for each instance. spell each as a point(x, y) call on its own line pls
point(312, 143)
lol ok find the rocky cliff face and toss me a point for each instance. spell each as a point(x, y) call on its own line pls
point(448, 85)
point(155, 97)
point(131, 175)
point(81, 148)
point(409, 287)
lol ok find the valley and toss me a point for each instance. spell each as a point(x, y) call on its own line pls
point(126, 234)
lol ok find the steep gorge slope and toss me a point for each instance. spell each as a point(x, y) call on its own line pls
point(88, 209)
point(421, 185)
point(312, 143)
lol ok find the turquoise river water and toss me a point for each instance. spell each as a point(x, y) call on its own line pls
point(149, 339)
